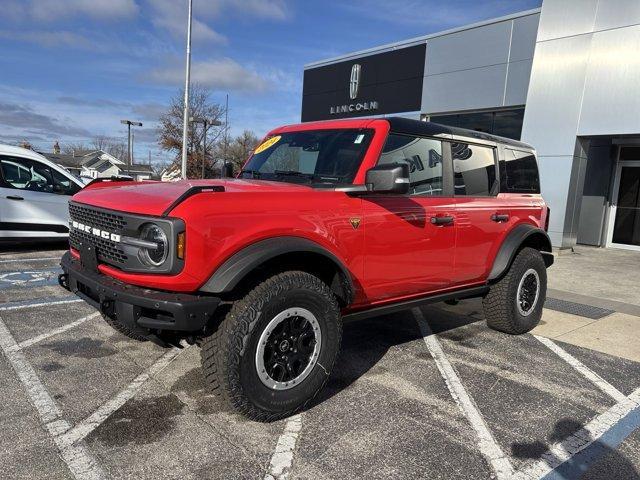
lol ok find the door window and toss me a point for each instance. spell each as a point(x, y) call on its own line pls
point(424, 157)
point(63, 185)
point(626, 229)
point(26, 174)
point(474, 169)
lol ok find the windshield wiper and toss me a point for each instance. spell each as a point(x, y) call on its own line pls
point(293, 173)
point(253, 173)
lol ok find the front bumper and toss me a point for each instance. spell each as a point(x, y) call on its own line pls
point(138, 307)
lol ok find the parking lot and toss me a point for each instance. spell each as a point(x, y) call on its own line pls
point(426, 393)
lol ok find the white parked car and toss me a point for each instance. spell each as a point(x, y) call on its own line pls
point(34, 195)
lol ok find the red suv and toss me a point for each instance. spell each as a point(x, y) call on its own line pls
point(327, 221)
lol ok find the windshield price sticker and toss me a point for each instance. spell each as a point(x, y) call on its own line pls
point(359, 138)
point(267, 144)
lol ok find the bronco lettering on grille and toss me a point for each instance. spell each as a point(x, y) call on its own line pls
point(114, 237)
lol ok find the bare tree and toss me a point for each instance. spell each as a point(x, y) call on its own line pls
point(113, 146)
point(200, 105)
point(76, 148)
point(238, 149)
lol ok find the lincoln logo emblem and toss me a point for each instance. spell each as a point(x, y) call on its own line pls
point(354, 83)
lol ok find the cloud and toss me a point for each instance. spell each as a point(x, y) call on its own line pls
point(21, 117)
point(171, 15)
point(53, 10)
point(223, 74)
point(149, 111)
point(434, 15)
point(268, 9)
point(97, 102)
point(43, 38)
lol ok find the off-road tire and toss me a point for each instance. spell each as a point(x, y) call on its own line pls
point(124, 330)
point(229, 355)
point(501, 303)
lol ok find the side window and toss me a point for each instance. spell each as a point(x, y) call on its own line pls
point(424, 156)
point(519, 172)
point(26, 174)
point(64, 185)
point(474, 169)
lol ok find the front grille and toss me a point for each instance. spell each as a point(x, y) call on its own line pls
point(108, 251)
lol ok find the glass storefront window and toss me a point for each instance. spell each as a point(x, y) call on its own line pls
point(505, 123)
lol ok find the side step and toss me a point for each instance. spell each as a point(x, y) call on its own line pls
point(408, 304)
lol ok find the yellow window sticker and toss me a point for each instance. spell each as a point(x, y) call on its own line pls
point(267, 143)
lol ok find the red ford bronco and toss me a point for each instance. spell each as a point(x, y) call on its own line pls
point(327, 221)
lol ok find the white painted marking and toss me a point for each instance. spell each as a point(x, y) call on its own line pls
point(97, 418)
point(585, 371)
point(57, 331)
point(489, 448)
point(282, 459)
point(41, 259)
point(39, 304)
point(79, 461)
point(573, 444)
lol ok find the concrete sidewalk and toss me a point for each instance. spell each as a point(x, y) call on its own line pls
point(605, 278)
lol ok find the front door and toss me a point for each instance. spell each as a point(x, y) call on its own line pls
point(410, 239)
point(624, 226)
point(32, 203)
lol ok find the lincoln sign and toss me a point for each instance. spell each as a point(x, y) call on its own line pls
point(383, 83)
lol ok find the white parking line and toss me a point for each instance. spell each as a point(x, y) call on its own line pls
point(36, 304)
point(585, 371)
point(282, 459)
point(573, 444)
point(93, 421)
point(489, 448)
point(79, 461)
point(41, 259)
point(44, 336)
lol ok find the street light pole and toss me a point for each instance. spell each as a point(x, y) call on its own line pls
point(206, 123)
point(129, 123)
point(185, 120)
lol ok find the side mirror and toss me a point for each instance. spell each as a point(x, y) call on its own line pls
point(388, 178)
point(227, 170)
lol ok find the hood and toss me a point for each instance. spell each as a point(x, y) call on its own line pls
point(154, 198)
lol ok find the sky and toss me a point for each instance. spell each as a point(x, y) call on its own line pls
point(72, 69)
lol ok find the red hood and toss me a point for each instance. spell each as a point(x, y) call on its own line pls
point(153, 198)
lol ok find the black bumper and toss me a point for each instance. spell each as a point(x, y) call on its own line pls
point(138, 306)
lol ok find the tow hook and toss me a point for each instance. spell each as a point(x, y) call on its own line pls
point(63, 280)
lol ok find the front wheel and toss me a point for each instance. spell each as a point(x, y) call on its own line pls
point(514, 303)
point(276, 347)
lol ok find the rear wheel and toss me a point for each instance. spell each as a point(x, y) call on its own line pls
point(514, 303)
point(276, 347)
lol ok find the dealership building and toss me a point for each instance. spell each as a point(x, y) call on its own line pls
point(564, 78)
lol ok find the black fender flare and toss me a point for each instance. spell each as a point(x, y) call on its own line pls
point(522, 234)
point(235, 268)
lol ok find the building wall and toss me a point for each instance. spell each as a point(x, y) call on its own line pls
point(584, 82)
point(481, 67)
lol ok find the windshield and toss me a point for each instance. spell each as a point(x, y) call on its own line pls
point(316, 156)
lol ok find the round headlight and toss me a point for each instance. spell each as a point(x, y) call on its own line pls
point(154, 256)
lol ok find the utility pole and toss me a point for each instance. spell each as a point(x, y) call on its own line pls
point(206, 123)
point(129, 123)
point(226, 126)
point(185, 120)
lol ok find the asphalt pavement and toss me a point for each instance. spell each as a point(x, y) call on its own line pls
point(426, 393)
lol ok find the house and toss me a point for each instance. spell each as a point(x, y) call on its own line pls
point(98, 164)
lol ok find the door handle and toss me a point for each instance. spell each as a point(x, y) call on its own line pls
point(14, 197)
point(500, 217)
point(445, 220)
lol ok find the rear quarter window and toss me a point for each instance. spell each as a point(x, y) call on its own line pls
point(519, 172)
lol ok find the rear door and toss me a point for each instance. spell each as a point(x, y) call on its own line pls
point(482, 214)
point(34, 198)
point(405, 253)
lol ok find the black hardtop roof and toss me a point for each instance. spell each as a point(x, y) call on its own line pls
point(421, 128)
